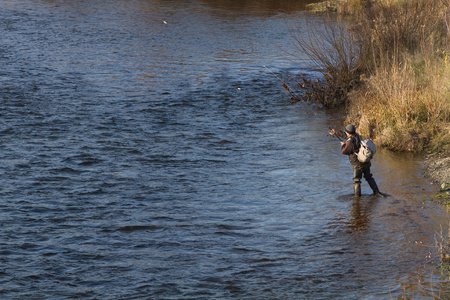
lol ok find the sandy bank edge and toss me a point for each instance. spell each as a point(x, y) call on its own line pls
point(437, 168)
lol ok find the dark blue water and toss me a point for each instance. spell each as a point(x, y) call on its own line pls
point(148, 152)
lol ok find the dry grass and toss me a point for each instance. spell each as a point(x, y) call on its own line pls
point(391, 69)
point(443, 247)
point(390, 33)
point(405, 110)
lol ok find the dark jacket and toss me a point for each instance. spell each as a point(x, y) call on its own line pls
point(351, 147)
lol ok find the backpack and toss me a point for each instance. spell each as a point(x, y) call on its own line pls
point(366, 150)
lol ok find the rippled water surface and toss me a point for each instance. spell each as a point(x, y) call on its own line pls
point(148, 153)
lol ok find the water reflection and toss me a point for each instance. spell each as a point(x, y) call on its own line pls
point(176, 45)
point(240, 7)
point(401, 173)
point(259, 7)
point(361, 212)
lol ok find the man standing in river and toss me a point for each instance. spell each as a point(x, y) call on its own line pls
point(350, 147)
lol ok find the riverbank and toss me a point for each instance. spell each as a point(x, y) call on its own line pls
point(391, 71)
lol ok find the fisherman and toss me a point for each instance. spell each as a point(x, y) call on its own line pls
point(350, 147)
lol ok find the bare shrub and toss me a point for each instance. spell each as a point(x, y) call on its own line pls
point(391, 69)
point(385, 33)
point(333, 51)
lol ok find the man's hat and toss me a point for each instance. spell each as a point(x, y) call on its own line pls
point(350, 129)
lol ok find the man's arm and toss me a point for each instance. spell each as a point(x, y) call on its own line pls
point(347, 147)
point(338, 133)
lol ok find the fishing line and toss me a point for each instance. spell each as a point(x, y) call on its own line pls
point(285, 86)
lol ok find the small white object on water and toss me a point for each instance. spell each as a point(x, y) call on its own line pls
point(164, 22)
point(239, 89)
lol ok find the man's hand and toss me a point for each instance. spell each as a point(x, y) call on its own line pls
point(332, 131)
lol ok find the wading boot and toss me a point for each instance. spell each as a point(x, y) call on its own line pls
point(373, 186)
point(357, 189)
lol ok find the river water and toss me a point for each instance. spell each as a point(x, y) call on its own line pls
point(148, 152)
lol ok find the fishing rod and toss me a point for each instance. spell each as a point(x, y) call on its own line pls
point(329, 133)
point(285, 86)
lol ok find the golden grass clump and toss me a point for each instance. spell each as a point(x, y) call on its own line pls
point(403, 109)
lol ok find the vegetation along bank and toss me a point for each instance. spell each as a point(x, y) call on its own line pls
point(390, 70)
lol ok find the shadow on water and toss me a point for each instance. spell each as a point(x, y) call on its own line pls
point(361, 211)
point(259, 7)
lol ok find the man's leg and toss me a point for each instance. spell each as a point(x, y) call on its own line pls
point(371, 181)
point(357, 175)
